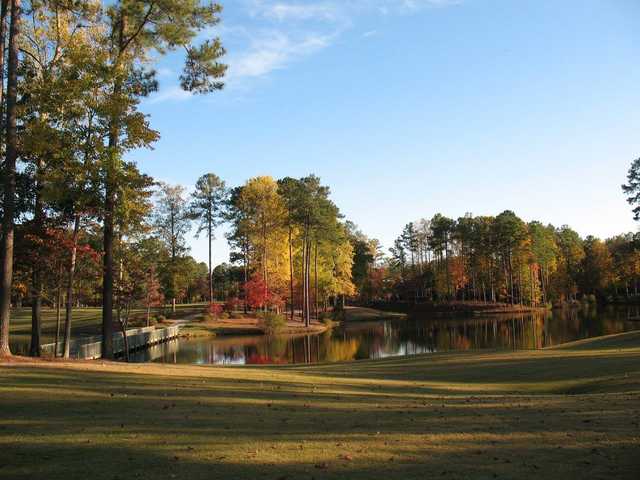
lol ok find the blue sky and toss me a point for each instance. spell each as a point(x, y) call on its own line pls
point(411, 107)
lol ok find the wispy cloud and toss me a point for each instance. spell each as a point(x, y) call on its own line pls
point(334, 10)
point(274, 49)
point(169, 94)
point(278, 33)
point(288, 11)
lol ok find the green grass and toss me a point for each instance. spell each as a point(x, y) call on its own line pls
point(86, 321)
point(562, 413)
point(364, 314)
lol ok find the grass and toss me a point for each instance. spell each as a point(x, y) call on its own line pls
point(86, 321)
point(364, 314)
point(560, 413)
point(248, 325)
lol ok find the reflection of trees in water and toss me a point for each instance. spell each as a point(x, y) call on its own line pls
point(167, 350)
point(402, 337)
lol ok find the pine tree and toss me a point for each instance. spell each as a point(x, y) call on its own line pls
point(207, 203)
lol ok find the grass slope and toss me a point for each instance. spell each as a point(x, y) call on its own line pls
point(86, 321)
point(564, 413)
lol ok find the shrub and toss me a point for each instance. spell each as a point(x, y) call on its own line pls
point(142, 322)
point(231, 304)
point(272, 323)
point(214, 310)
point(160, 318)
point(224, 316)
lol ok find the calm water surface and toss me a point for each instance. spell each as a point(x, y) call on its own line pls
point(410, 336)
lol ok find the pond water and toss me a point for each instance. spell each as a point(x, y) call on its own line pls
point(410, 336)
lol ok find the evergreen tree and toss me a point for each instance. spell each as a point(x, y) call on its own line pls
point(207, 203)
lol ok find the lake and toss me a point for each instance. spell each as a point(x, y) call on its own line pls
point(410, 336)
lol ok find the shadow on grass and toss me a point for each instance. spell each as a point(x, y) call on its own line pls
point(67, 424)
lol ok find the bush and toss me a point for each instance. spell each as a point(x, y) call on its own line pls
point(224, 316)
point(272, 323)
point(236, 315)
point(213, 312)
point(142, 322)
point(206, 317)
point(160, 318)
point(231, 304)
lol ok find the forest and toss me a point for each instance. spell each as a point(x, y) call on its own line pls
point(499, 259)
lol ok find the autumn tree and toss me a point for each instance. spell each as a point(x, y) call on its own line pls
point(263, 211)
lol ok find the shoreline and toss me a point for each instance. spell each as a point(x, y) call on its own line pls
point(246, 327)
point(457, 308)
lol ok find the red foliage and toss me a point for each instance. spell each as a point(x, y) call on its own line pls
point(231, 304)
point(214, 309)
point(256, 292)
point(63, 239)
point(257, 359)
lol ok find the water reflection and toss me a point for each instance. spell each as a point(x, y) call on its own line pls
point(401, 337)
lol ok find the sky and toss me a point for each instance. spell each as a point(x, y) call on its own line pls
point(406, 108)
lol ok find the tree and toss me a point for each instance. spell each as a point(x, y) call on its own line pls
point(263, 211)
point(597, 267)
point(136, 30)
point(291, 190)
point(9, 174)
point(207, 202)
point(172, 222)
point(632, 188)
point(58, 88)
point(441, 231)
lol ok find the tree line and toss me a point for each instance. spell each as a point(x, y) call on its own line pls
point(499, 259)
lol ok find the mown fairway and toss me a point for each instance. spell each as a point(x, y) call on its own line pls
point(571, 412)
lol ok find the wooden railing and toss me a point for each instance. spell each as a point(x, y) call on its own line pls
point(90, 348)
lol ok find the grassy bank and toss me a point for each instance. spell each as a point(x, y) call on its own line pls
point(247, 326)
point(466, 308)
point(364, 314)
point(571, 412)
point(86, 321)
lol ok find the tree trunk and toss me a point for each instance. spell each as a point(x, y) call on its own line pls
point(36, 278)
point(58, 313)
point(3, 34)
point(107, 282)
point(210, 232)
point(246, 275)
point(315, 273)
point(70, 277)
point(36, 312)
point(291, 274)
point(110, 204)
point(308, 285)
point(9, 173)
